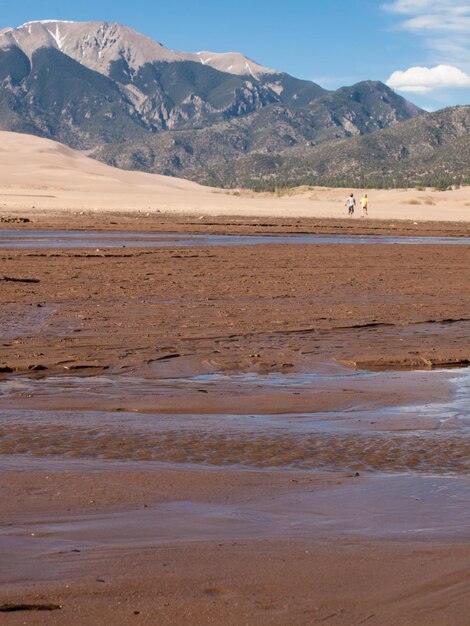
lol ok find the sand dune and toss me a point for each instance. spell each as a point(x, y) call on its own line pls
point(39, 174)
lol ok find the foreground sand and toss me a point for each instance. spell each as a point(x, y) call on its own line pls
point(42, 174)
point(324, 577)
point(178, 544)
point(128, 307)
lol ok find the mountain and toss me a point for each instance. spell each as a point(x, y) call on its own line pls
point(89, 83)
point(100, 45)
point(132, 102)
point(432, 150)
point(201, 153)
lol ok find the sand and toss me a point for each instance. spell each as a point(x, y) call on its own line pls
point(42, 174)
point(136, 484)
point(235, 577)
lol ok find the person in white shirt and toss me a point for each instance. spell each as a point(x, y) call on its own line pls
point(351, 204)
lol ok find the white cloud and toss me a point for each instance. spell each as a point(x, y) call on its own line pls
point(428, 7)
point(444, 26)
point(439, 23)
point(425, 79)
point(439, 16)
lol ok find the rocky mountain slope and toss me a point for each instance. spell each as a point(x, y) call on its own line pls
point(431, 150)
point(196, 153)
point(105, 88)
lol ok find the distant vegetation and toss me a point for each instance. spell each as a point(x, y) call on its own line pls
point(281, 186)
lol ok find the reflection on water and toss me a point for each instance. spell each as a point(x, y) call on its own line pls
point(39, 239)
point(123, 384)
point(422, 438)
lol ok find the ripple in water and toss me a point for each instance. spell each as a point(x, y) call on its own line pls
point(307, 441)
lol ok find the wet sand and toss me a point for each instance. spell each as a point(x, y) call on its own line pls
point(238, 308)
point(170, 546)
point(160, 408)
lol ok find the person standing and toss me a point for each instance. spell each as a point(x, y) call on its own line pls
point(364, 205)
point(351, 203)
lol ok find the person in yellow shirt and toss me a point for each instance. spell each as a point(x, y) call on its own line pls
point(364, 205)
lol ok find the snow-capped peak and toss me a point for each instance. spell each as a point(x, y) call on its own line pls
point(233, 63)
point(97, 44)
point(47, 22)
point(93, 44)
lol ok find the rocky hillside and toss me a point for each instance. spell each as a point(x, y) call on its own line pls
point(105, 88)
point(199, 153)
point(431, 150)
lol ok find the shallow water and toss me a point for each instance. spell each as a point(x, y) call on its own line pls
point(432, 437)
point(398, 508)
point(41, 239)
point(390, 507)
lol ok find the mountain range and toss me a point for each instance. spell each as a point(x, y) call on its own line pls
point(432, 150)
point(95, 84)
point(130, 101)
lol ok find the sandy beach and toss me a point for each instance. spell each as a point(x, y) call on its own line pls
point(229, 433)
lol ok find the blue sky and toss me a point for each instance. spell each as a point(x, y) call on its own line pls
point(421, 47)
